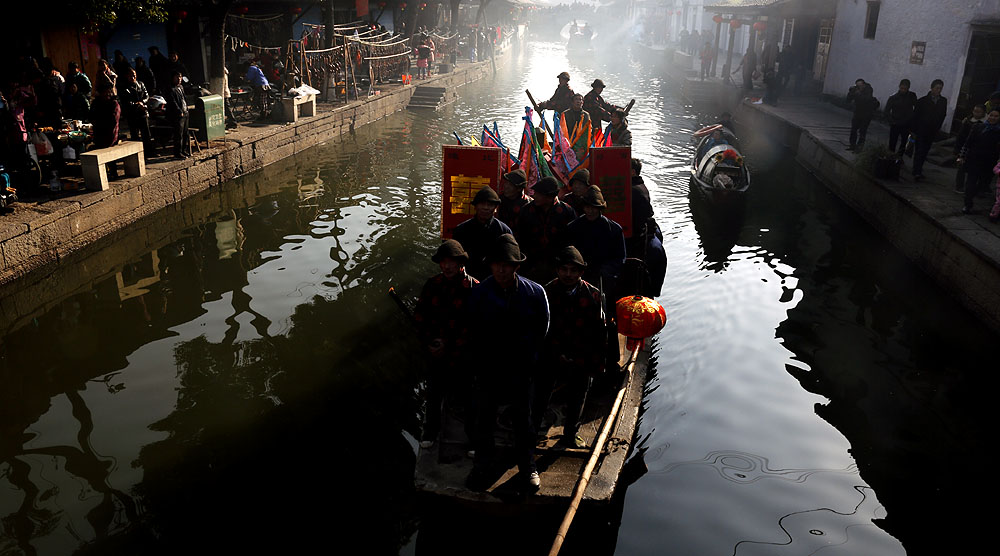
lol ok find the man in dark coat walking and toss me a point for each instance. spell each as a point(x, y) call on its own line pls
point(865, 105)
point(927, 119)
point(899, 113)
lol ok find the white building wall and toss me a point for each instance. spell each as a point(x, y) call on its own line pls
point(884, 60)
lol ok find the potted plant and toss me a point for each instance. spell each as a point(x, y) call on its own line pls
point(878, 160)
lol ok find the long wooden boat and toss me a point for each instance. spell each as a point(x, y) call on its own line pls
point(441, 470)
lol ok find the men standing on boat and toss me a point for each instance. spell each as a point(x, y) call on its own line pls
point(576, 127)
point(574, 347)
point(509, 304)
point(562, 98)
point(478, 233)
point(441, 323)
point(541, 229)
point(512, 197)
point(599, 109)
point(602, 243)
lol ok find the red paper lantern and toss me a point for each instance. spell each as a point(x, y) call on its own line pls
point(182, 14)
point(423, 5)
point(639, 318)
point(242, 9)
point(735, 23)
point(381, 5)
point(717, 19)
point(760, 25)
point(402, 6)
point(296, 10)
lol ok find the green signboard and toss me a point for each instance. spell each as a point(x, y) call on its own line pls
point(209, 117)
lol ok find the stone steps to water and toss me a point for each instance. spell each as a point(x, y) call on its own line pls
point(428, 98)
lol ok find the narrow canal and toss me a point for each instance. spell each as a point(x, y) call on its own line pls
point(248, 384)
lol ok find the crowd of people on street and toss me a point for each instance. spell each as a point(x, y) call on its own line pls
point(915, 124)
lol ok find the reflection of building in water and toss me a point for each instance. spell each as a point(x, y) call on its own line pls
point(136, 278)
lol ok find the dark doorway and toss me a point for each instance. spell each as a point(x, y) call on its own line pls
point(982, 71)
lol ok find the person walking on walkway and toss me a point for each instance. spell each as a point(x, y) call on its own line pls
point(865, 105)
point(978, 115)
point(927, 119)
point(707, 54)
point(899, 113)
point(979, 156)
point(748, 65)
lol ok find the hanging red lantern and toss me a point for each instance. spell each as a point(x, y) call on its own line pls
point(182, 14)
point(760, 25)
point(296, 10)
point(639, 318)
point(423, 5)
point(381, 5)
point(243, 9)
point(717, 18)
point(735, 23)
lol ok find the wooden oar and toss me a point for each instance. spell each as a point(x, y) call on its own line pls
point(584, 480)
point(539, 112)
point(399, 302)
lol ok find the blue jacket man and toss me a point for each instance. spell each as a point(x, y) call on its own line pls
point(516, 309)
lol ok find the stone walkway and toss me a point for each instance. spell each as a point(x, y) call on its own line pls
point(935, 196)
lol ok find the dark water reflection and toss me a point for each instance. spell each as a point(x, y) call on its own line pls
point(232, 375)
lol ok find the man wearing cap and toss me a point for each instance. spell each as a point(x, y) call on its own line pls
point(618, 130)
point(574, 348)
point(517, 309)
point(478, 233)
point(440, 316)
point(575, 126)
point(562, 98)
point(602, 244)
point(599, 109)
point(600, 240)
point(541, 229)
point(512, 197)
point(578, 185)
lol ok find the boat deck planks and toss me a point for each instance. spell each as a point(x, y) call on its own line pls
point(442, 469)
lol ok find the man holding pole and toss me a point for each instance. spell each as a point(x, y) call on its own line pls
point(562, 98)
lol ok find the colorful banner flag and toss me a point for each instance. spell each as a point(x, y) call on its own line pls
point(611, 170)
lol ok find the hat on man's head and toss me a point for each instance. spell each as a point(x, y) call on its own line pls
point(562, 75)
point(516, 177)
point(153, 49)
point(450, 249)
point(570, 255)
point(597, 83)
point(547, 186)
point(581, 175)
point(594, 197)
point(505, 250)
point(486, 195)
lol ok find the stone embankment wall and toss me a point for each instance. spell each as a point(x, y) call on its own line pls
point(957, 253)
point(62, 226)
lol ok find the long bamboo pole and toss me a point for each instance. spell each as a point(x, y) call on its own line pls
point(581, 484)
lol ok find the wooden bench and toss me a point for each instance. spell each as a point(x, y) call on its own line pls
point(294, 108)
point(95, 174)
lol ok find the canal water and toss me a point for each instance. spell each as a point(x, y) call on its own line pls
point(235, 376)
